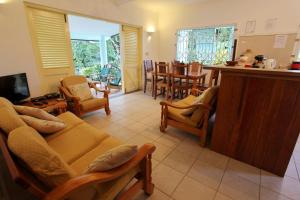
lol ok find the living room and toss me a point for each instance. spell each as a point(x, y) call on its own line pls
point(219, 132)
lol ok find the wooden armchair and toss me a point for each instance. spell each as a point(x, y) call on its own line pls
point(75, 104)
point(22, 177)
point(196, 122)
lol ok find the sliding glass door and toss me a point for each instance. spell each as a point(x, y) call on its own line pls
point(212, 45)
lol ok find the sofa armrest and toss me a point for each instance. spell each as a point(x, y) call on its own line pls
point(201, 105)
point(62, 191)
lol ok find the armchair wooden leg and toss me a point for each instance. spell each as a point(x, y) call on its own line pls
point(145, 85)
point(107, 110)
point(147, 170)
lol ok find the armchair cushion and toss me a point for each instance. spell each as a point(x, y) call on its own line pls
point(43, 126)
point(93, 103)
point(206, 98)
point(27, 144)
point(36, 112)
point(73, 80)
point(113, 158)
point(81, 90)
point(9, 119)
point(176, 114)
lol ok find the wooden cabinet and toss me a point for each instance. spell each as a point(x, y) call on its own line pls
point(258, 117)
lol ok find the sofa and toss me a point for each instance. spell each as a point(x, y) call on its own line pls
point(77, 145)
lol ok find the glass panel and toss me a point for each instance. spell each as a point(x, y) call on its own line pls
point(207, 45)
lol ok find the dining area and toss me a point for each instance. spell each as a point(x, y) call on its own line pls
point(177, 80)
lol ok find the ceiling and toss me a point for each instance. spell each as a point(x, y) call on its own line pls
point(158, 4)
point(90, 29)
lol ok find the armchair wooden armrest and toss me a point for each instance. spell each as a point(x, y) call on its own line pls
point(165, 103)
point(106, 92)
point(68, 95)
point(142, 158)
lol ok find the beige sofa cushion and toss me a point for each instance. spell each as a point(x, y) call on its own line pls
point(37, 113)
point(5, 102)
point(9, 119)
point(27, 144)
point(70, 120)
point(80, 165)
point(112, 158)
point(43, 126)
point(93, 103)
point(77, 141)
point(81, 90)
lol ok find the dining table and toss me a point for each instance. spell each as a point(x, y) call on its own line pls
point(194, 76)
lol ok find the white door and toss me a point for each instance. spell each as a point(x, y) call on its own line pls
point(131, 58)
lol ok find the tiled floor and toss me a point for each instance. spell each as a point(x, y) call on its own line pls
point(182, 170)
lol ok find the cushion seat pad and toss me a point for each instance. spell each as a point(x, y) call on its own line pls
point(76, 142)
point(175, 113)
point(93, 103)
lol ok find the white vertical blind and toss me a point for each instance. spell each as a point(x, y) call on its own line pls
point(51, 38)
point(131, 58)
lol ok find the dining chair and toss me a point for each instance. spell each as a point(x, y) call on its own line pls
point(196, 67)
point(161, 79)
point(179, 79)
point(213, 80)
point(148, 76)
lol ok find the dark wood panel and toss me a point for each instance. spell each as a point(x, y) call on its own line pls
point(258, 119)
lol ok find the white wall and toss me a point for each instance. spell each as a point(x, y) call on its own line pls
point(218, 12)
point(16, 53)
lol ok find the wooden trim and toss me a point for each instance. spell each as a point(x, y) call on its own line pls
point(75, 184)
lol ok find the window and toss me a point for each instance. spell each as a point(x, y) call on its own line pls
point(86, 56)
point(51, 39)
point(208, 45)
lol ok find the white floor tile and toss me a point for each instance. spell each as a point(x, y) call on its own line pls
point(238, 188)
point(190, 189)
point(166, 179)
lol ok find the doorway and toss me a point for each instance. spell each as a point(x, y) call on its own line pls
point(96, 51)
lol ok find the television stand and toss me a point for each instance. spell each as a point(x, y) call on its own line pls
point(54, 106)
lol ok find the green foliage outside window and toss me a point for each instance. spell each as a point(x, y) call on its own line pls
point(86, 57)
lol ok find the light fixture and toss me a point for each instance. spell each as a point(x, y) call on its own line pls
point(150, 30)
point(3, 1)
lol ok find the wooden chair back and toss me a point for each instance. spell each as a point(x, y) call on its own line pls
point(214, 77)
point(148, 66)
point(196, 67)
point(18, 172)
point(180, 70)
point(162, 69)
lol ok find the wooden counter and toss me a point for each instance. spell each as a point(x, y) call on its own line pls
point(258, 116)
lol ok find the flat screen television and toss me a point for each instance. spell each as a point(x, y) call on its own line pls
point(14, 87)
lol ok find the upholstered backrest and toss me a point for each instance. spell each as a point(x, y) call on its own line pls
point(73, 80)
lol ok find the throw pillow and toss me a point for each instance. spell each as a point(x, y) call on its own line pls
point(113, 158)
point(197, 100)
point(43, 126)
point(9, 119)
point(37, 113)
point(28, 145)
point(208, 96)
point(82, 91)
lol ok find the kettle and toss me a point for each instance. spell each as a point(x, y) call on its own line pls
point(270, 63)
